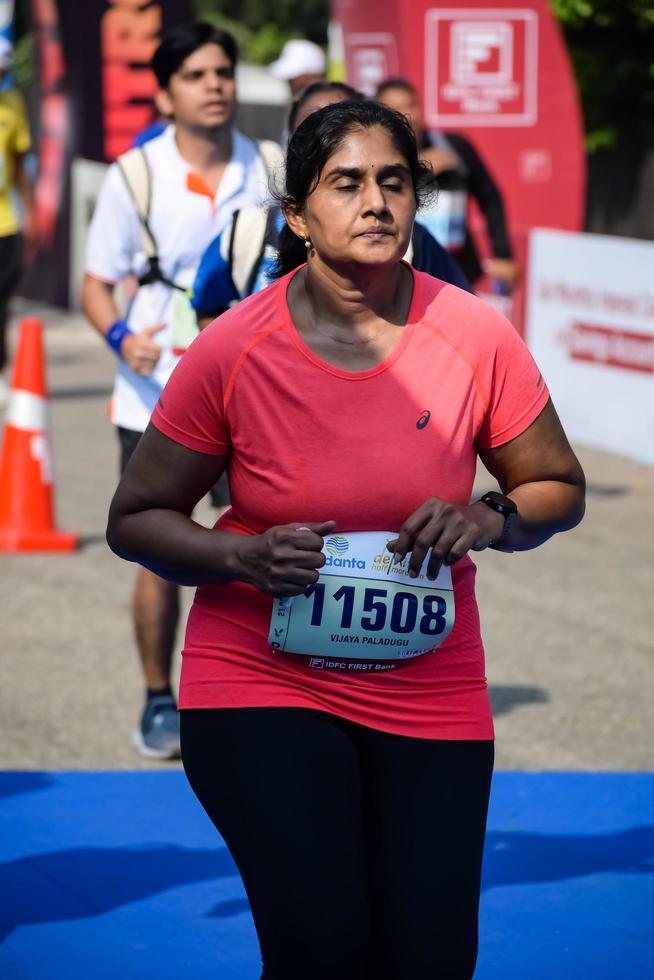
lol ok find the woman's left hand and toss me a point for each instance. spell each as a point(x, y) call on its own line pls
point(449, 530)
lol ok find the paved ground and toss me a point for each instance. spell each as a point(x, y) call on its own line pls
point(568, 628)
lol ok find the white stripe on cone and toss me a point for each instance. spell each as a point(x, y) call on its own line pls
point(27, 412)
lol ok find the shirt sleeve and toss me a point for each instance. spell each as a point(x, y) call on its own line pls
point(513, 388)
point(191, 408)
point(114, 233)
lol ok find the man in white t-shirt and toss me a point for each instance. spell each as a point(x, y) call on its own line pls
point(201, 169)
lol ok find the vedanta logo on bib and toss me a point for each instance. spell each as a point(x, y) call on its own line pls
point(337, 546)
point(423, 420)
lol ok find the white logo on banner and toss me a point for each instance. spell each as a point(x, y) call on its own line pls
point(481, 67)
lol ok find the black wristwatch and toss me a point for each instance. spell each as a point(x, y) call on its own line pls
point(504, 506)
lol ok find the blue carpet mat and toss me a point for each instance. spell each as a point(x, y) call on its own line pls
point(120, 875)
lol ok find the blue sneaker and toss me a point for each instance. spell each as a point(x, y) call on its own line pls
point(157, 736)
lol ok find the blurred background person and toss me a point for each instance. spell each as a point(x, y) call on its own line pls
point(16, 199)
point(461, 174)
point(300, 63)
point(200, 170)
point(241, 259)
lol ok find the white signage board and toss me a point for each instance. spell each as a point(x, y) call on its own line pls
point(590, 327)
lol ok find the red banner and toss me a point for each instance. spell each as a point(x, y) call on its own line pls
point(500, 74)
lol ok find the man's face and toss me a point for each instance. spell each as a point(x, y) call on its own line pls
point(408, 104)
point(202, 92)
point(298, 84)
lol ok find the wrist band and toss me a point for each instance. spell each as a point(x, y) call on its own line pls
point(116, 334)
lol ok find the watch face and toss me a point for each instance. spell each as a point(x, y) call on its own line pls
point(500, 503)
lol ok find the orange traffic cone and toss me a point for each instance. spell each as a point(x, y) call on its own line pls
point(26, 481)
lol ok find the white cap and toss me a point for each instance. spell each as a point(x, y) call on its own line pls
point(6, 54)
point(299, 58)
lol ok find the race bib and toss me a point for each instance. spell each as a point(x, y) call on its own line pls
point(364, 606)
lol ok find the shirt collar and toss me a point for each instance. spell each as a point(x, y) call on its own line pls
point(236, 171)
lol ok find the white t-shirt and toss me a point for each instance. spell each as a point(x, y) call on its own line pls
point(183, 223)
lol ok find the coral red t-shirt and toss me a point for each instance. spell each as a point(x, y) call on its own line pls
point(308, 441)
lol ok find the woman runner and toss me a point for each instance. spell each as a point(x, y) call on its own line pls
point(348, 772)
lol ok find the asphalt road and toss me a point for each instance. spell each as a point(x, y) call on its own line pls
point(568, 628)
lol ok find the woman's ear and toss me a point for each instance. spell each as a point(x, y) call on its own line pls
point(296, 223)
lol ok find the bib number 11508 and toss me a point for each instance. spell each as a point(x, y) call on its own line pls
point(405, 613)
point(364, 605)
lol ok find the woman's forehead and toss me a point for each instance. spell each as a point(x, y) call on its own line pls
point(366, 147)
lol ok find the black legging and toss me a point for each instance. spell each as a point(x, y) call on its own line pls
point(11, 248)
point(360, 851)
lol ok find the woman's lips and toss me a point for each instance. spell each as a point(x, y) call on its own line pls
point(375, 233)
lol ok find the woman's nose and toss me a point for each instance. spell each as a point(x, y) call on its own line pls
point(373, 197)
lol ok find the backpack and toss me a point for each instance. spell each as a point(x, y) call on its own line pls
point(248, 235)
point(135, 171)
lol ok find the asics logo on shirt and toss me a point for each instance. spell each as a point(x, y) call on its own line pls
point(423, 420)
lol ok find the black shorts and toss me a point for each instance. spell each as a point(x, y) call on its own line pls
point(129, 438)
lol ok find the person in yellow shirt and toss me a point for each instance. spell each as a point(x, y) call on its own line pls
point(14, 185)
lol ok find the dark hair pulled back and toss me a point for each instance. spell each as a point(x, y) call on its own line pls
point(181, 41)
point(317, 139)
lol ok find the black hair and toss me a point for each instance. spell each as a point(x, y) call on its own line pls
point(317, 139)
point(401, 83)
point(318, 88)
point(181, 41)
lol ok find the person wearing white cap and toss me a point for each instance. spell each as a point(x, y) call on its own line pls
point(300, 63)
point(14, 144)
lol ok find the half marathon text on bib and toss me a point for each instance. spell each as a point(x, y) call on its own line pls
point(364, 607)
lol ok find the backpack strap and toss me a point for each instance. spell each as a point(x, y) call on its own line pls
point(246, 246)
point(250, 225)
point(135, 170)
point(273, 160)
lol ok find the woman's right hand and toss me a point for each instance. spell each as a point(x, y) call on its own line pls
point(284, 560)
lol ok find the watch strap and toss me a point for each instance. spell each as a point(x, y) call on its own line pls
point(504, 506)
